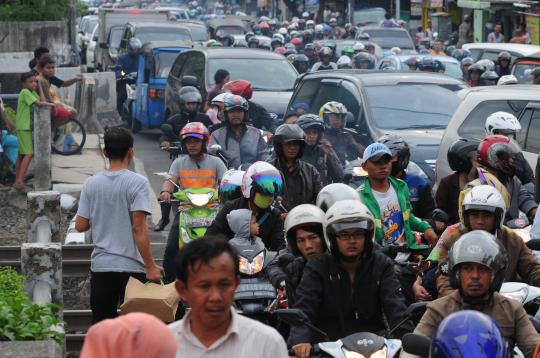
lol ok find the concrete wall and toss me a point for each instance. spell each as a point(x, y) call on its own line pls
point(27, 36)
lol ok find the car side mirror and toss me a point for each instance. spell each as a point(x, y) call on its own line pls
point(214, 149)
point(416, 344)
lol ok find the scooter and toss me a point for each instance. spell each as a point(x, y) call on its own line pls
point(528, 295)
point(255, 294)
point(197, 209)
point(361, 344)
point(125, 85)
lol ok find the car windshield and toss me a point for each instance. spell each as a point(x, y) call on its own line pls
point(368, 16)
point(422, 106)
point(521, 71)
point(147, 34)
point(163, 62)
point(264, 74)
point(198, 33)
point(390, 38)
point(230, 30)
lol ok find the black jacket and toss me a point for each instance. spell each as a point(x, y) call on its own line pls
point(300, 186)
point(328, 166)
point(260, 118)
point(340, 308)
point(524, 171)
point(178, 121)
point(286, 267)
point(270, 230)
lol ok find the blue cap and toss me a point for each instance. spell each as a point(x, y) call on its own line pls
point(375, 151)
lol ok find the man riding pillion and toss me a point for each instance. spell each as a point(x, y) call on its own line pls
point(333, 114)
point(318, 151)
point(325, 63)
point(261, 184)
point(477, 265)
point(197, 169)
point(305, 240)
point(419, 189)
point(351, 289)
point(190, 105)
point(507, 124)
point(483, 208)
point(302, 180)
point(241, 144)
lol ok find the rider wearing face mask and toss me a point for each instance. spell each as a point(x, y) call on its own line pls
point(261, 184)
point(351, 289)
point(318, 151)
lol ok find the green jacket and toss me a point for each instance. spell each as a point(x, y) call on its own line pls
point(410, 222)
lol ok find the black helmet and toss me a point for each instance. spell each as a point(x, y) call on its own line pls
point(364, 57)
point(399, 148)
point(479, 247)
point(287, 133)
point(478, 68)
point(427, 64)
point(459, 152)
point(309, 46)
point(450, 50)
point(300, 58)
point(489, 78)
point(227, 40)
point(309, 120)
point(253, 40)
point(503, 55)
point(188, 94)
point(458, 54)
point(249, 35)
point(439, 66)
point(535, 72)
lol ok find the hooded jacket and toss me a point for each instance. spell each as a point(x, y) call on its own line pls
point(247, 149)
point(339, 307)
point(240, 223)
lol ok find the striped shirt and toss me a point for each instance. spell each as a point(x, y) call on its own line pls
point(244, 338)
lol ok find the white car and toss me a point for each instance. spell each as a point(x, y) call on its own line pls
point(84, 33)
point(490, 51)
point(477, 104)
point(91, 50)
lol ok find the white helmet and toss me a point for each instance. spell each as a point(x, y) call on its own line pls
point(396, 50)
point(283, 31)
point(310, 23)
point(332, 193)
point(347, 214)
point(507, 80)
point(305, 14)
point(487, 63)
point(484, 198)
point(230, 187)
point(358, 46)
point(502, 122)
point(319, 28)
point(302, 215)
point(263, 178)
point(343, 61)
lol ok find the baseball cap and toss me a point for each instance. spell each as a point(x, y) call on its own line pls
point(375, 151)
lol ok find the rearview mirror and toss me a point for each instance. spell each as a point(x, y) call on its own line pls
point(533, 244)
point(416, 309)
point(214, 149)
point(292, 316)
point(416, 344)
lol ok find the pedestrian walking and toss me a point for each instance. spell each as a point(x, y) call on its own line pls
point(496, 36)
point(115, 204)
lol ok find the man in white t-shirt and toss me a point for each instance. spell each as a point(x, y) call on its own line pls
point(207, 274)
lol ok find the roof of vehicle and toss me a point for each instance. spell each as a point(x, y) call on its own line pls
point(533, 105)
point(190, 22)
point(420, 56)
point(500, 90)
point(168, 44)
point(378, 78)
point(525, 50)
point(158, 24)
point(235, 52)
point(531, 57)
point(225, 21)
point(378, 28)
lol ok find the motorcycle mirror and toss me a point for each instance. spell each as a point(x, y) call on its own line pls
point(292, 316)
point(167, 129)
point(534, 244)
point(518, 223)
point(214, 149)
point(416, 309)
point(163, 175)
point(416, 344)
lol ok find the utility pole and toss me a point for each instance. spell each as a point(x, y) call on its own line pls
point(75, 58)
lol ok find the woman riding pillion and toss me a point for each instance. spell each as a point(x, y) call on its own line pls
point(197, 169)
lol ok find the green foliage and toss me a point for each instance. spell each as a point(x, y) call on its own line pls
point(35, 10)
point(20, 319)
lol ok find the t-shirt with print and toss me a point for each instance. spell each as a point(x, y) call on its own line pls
point(107, 201)
point(391, 217)
point(24, 109)
point(204, 174)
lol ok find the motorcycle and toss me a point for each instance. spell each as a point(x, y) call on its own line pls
point(361, 344)
point(197, 209)
point(255, 294)
point(125, 89)
point(529, 296)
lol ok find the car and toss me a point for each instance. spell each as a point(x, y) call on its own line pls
point(399, 63)
point(387, 38)
point(369, 16)
point(113, 42)
point(490, 51)
point(221, 26)
point(341, 44)
point(421, 106)
point(476, 105)
point(148, 32)
point(199, 31)
point(270, 74)
point(84, 34)
point(523, 65)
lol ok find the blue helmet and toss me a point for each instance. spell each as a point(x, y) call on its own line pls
point(468, 334)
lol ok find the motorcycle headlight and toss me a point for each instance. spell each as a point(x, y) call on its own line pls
point(519, 295)
point(251, 268)
point(199, 199)
point(414, 168)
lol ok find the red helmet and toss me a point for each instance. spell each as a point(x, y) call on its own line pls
point(264, 25)
point(197, 130)
point(240, 88)
point(281, 50)
point(492, 148)
point(296, 41)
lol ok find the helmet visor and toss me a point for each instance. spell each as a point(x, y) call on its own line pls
point(351, 224)
point(267, 183)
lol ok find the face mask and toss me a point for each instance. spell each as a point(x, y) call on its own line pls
point(263, 201)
